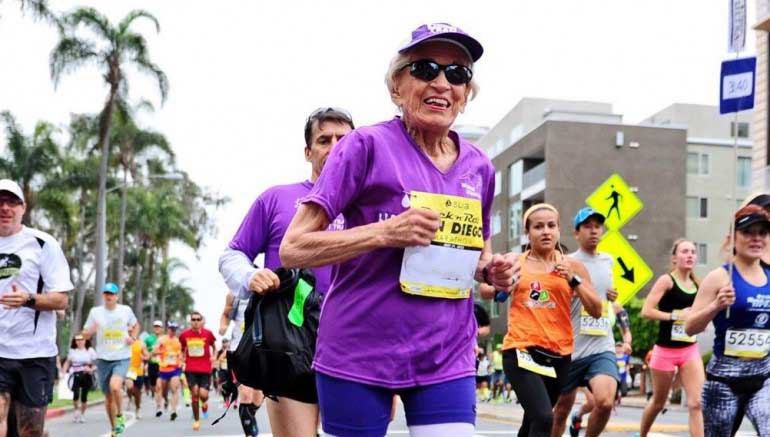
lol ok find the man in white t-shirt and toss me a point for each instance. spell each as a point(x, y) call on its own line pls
point(116, 329)
point(34, 281)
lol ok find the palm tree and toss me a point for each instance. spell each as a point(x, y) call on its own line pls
point(117, 48)
point(28, 159)
point(132, 142)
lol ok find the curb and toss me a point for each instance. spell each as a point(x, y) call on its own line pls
point(611, 426)
point(58, 412)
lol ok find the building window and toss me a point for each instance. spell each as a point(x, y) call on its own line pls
point(702, 254)
point(498, 183)
point(697, 207)
point(515, 173)
point(743, 129)
point(497, 223)
point(514, 220)
point(743, 172)
point(697, 163)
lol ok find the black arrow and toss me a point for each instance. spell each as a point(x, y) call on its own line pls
point(628, 274)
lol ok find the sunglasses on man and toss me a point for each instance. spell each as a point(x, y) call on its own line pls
point(427, 70)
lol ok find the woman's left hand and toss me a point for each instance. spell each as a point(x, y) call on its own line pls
point(563, 270)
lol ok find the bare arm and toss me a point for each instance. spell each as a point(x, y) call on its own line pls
point(65, 366)
point(49, 301)
point(307, 244)
point(713, 296)
point(224, 319)
point(650, 309)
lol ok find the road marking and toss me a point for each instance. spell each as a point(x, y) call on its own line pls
point(394, 432)
point(131, 420)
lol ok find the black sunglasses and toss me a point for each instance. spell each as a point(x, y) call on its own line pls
point(427, 70)
point(195, 320)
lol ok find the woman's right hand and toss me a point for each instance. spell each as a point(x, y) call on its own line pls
point(413, 227)
point(264, 280)
point(725, 297)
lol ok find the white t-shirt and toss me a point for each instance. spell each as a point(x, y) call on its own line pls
point(80, 358)
point(23, 262)
point(112, 331)
point(239, 324)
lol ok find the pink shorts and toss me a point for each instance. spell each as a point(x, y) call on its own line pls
point(667, 359)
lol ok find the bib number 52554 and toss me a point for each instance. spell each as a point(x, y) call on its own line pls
point(747, 343)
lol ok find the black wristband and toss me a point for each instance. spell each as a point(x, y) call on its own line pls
point(485, 275)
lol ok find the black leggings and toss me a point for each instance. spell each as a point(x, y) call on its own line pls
point(81, 385)
point(536, 393)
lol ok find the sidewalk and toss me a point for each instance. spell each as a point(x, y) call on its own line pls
point(512, 414)
point(57, 412)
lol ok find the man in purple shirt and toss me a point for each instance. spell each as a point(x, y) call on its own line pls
point(261, 232)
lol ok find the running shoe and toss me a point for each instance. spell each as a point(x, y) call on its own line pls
point(196, 425)
point(76, 417)
point(173, 415)
point(205, 409)
point(158, 413)
point(575, 425)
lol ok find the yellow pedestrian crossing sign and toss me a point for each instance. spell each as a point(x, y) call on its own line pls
point(629, 271)
point(615, 200)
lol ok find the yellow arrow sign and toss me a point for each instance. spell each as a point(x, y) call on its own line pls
point(615, 200)
point(629, 271)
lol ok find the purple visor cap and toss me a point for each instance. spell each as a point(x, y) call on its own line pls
point(444, 31)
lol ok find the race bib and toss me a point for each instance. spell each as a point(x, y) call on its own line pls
point(526, 362)
point(196, 347)
point(243, 326)
point(747, 343)
point(223, 365)
point(114, 339)
point(445, 268)
point(621, 365)
point(596, 327)
point(131, 374)
point(677, 331)
point(170, 360)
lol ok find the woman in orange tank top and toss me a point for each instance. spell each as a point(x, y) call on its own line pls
point(539, 341)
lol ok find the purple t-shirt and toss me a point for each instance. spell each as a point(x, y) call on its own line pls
point(266, 222)
point(370, 331)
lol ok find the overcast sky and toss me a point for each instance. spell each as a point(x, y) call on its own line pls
point(244, 76)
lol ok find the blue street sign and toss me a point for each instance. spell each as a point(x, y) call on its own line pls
point(736, 85)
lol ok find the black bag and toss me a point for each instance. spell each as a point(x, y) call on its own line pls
point(546, 357)
point(278, 342)
point(741, 385)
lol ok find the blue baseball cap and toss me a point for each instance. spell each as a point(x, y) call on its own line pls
point(585, 214)
point(111, 287)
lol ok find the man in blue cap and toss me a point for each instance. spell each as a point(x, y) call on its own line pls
point(116, 328)
point(593, 361)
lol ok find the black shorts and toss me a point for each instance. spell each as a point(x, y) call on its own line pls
point(153, 370)
point(202, 380)
point(29, 381)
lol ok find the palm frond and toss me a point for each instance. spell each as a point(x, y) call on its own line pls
point(69, 54)
point(145, 65)
point(91, 18)
point(133, 15)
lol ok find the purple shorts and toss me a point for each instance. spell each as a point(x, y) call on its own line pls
point(350, 408)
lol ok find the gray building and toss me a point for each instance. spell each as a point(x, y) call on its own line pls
point(560, 152)
point(712, 174)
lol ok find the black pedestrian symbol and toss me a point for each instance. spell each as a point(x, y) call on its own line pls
point(616, 197)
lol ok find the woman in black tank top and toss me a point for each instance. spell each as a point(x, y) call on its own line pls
point(669, 302)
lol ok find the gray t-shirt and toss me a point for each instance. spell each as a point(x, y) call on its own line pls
point(593, 336)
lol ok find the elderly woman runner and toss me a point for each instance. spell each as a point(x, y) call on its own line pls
point(398, 318)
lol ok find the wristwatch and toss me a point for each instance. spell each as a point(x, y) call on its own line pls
point(575, 281)
point(674, 316)
point(30, 303)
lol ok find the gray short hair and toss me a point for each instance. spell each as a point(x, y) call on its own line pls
point(401, 60)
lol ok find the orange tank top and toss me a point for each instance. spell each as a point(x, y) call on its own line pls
point(539, 314)
point(136, 358)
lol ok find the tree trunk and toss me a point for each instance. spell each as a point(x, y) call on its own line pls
point(138, 298)
point(150, 278)
point(80, 296)
point(122, 243)
point(101, 204)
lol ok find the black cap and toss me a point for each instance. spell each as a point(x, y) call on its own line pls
point(749, 219)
